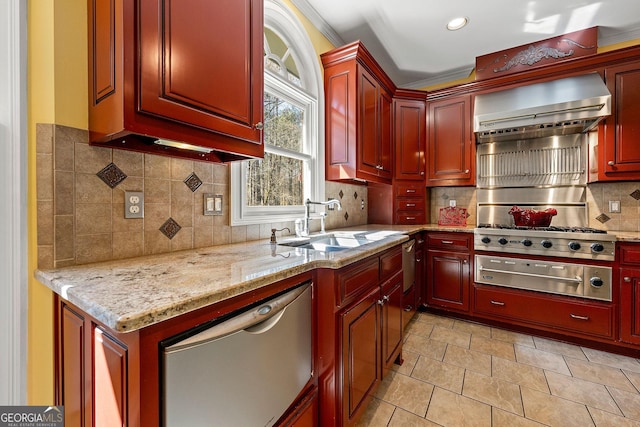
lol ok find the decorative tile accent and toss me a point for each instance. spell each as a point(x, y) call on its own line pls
point(341, 194)
point(112, 175)
point(193, 182)
point(636, 194)
point(603, 218)
point(355, 195)
point(170, 228)
point(346, 216)
point(445, 196)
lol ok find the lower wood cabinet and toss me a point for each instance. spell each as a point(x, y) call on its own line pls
point(629, 258)
point(360, 337)
point(449, 270)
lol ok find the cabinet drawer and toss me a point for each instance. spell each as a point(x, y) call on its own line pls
point(449, 241)
point(410, 190)
point(390, 263)
point(410, 218)
point(536, 309)
point(357, 279)
point(629, 254)
point(410, 204)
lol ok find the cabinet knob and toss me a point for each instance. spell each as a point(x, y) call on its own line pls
point(421, 173)
point(610, 163)
point(466, 171)
point(259, 125)
point(627, 279)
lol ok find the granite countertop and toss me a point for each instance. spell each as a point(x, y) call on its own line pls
point(130, 294)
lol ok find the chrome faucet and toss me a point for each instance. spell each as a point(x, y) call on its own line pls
point(308, 202)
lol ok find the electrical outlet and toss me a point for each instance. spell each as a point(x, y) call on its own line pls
point(614, 206)
point(452, 203)
point(133, 204)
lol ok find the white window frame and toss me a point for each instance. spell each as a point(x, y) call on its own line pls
point(286, 25)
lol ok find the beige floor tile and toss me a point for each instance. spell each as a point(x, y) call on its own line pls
point(451, 409)
point(405, 392)
point(435, 320)
point(600, 374)
point(425, 347)
point(606, 419)
point(558, 347)
point(418, 327)
point(541, 359)
point(615, 360)
point(473, 328)
point(500, 418)
point(403, 418)
point(378, 414)
point(409, 360)
point(634, 377)
point(450, 336)
point(524, 375)
point(498, 348)
point(493, 391)
point(554, 411)
point(581, 391)
point(512, 337)
point(440, 374)
point(468, 359)
point(629, 403)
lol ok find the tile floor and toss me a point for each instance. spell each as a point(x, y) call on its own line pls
point(459, 374)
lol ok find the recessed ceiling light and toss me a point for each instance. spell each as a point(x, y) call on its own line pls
point(457, 23)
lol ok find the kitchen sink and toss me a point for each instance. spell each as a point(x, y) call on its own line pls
point(334, 242)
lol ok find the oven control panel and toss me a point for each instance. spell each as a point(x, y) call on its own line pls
point(558, 244)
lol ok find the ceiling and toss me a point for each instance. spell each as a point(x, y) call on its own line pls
point(410, 40)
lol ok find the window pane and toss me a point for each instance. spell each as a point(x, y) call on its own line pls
point(274, 181)
point(283, 123)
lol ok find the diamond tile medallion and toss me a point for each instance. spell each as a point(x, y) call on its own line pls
point(170, 228)
point(112, 175)
point(193, 182)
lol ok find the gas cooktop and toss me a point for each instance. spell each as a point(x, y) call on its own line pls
point(550, 228)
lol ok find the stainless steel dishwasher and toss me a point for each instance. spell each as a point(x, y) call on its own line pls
point(243, 370)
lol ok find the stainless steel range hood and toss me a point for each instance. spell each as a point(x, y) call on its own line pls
point(559, 107)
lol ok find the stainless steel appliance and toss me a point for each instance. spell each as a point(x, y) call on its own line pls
point(533, 153)
point(408, 264)
point(243, 370)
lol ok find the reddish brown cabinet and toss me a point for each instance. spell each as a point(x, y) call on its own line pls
point(358, 116)
point(618, 148)
point(629, 258)
point(187, 73)
point(450, 143)
point(448, 277)
point(410, 119)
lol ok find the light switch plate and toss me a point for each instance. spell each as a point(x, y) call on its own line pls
point(614, 206)
point(213, 204)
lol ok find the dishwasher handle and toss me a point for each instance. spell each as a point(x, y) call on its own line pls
point(257, 320)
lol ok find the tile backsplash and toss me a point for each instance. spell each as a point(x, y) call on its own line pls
point(80, 201)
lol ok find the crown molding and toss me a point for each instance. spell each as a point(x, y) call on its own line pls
point(310, 13)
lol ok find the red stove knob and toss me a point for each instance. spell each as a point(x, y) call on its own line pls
point(597, 247)
point(574, 246)
point(546, 244)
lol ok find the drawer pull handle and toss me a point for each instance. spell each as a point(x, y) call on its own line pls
point(411, 191)
point(420, 241)
point(411, 205)
point(446, 242)
point(575, 316)
point(627, 279)
point(408, 308)
point(411, 218)
point(418, 259)
point(500, 303)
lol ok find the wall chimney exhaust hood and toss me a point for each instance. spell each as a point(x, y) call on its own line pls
point(558, 107)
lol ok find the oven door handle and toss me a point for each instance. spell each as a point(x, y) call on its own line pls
point(543, 276)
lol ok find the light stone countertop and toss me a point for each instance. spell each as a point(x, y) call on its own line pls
point(130, 294)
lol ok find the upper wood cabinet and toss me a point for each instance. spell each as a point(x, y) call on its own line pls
point(358, 116)
point(451, 158)
point(186, 73)
point(410, 120)
point(618, 147)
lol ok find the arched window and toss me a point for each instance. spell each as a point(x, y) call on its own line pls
point(274, 189)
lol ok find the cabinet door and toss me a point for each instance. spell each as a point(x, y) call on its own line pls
point(201, 64)
point(71, 366)
point(410, 122)
point(630, 306)
point(368, 122)
point(110, 380)
point(450, 144)
point(619, 155)
point(392, 324)
point(448, 279)
point(360, 354)
point(385, 141)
